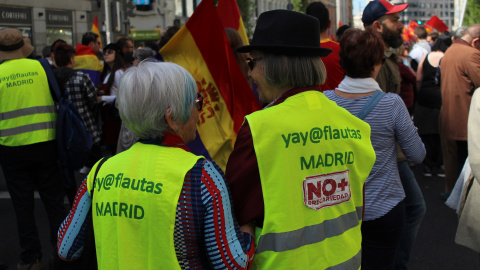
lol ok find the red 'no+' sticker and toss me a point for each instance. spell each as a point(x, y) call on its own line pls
point(325, 190)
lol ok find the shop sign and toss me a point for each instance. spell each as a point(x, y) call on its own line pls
point(10, 15)
point(145, 35)
point(55, 17)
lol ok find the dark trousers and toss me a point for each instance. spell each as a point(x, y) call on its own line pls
point(433, 145)
point(462, 154)
point(380, 239)
point(29, 168)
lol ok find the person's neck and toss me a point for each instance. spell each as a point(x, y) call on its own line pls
point(324, 35)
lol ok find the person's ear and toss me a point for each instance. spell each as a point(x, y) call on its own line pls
point(475, 42)
point(171, 124)
point(377, 26)
point(329, 24)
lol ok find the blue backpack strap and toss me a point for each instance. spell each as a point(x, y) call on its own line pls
point(371, 103)
point(52, 81)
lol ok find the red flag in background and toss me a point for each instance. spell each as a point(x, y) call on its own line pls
point(428, 28)
point(230, 16)
point(437, 23)
point(201, 46)
point(411, 26)
point(405, 34)
point(96, 30)
point(340, 23)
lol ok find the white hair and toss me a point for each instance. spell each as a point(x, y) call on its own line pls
point(147, 91)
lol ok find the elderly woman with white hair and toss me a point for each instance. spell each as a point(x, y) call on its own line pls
point(156, 205)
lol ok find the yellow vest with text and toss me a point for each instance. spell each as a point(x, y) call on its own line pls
point(134, 206)
point(311, 220)
point(27, 111)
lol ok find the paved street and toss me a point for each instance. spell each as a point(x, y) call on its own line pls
point(434, 249)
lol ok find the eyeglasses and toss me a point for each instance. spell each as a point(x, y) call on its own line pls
point(199, 101)
point(108, 52)
point(251, 62)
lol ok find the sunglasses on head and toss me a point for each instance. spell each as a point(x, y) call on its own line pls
point(251, 62)
point(108, 52)
point(199, 101)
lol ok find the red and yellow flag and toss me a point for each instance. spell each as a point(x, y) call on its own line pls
point(230, 16)
point(201, 46)
point(96, 30)
point(437, 23)
point(428, 28)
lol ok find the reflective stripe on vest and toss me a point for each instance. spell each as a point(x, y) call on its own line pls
point(27, 111)
point(279, 242)
point(27, 128)
point(134, 206)
point(313, 157)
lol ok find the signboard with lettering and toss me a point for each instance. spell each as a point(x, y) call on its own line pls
point(145, 35)
point(55, 17)
point(10, 15)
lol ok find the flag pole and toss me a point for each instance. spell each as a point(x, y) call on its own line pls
point(462, 15)
point(107, 21)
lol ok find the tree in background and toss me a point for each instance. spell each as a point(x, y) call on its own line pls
point(246, 8)
point(472, 13)
point(300, 5)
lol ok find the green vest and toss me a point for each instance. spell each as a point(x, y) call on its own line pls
point(134, 206)
point(27, 111)
point(313, 157)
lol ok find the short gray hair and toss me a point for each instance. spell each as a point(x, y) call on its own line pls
point(293, 70)
point(147, 91)
point(460, 32)
point(143, 53)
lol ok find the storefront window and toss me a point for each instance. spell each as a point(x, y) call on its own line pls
point(17, 18)
point(26, 30)
point(185, 8)
point(59, 33)
point(59, 26)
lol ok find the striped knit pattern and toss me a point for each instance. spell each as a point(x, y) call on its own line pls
point(390, 124)
point(205, 235)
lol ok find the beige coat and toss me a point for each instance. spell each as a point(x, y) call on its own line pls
point(460, 69)
point(468, 231)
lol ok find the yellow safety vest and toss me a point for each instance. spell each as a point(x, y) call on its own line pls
point(134, 206)
point(27, 111)
point(313, 157)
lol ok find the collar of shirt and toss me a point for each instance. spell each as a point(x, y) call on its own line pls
point(169, 140)
point(295, 91)
point(463, 42)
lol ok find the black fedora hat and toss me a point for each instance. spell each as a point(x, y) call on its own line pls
point(286, 32)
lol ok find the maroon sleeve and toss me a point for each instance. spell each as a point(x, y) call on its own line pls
point(243, 178)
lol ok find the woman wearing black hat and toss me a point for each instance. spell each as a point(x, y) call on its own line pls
point(298, 167)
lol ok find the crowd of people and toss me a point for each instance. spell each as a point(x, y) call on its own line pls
point(319, 178)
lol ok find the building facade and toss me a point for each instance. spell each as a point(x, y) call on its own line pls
point(45, 21)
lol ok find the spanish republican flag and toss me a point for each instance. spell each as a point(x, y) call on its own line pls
point(87, 61)
point(201, 46)
point(96, 31)
point(231, 18)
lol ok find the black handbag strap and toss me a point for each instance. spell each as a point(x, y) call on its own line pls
point(95, 175)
